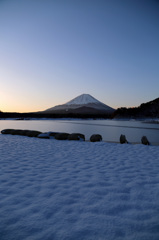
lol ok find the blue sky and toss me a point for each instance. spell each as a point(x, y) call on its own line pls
point(54, 50)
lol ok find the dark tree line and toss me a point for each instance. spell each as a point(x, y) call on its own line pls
point(149, 109)
point(21, 116)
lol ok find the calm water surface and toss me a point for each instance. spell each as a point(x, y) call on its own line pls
point(109, 129)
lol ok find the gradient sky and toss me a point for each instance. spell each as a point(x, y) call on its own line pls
point(54, 50)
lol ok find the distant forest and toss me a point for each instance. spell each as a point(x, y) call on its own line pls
point(146, 110)
point(21, 116)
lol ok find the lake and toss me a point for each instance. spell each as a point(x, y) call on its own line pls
point(109, 129)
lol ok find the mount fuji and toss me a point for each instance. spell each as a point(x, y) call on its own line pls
point(83, 104)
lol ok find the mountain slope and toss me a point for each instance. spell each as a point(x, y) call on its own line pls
point(84, 103)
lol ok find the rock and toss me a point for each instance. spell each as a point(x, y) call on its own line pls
point(24, 132)
point(52, 134)
point(7, 131)
point(16, 132)
point(96, 138)
point(47, 135)
point(144, 140)
point(61, 136)
point(12, 131)
point(123, 139)
point(31, 133)
point(44, 135)
point(76, 136)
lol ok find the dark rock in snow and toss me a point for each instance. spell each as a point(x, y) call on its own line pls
point(144, 140)
point(76, 136)
point(32, 133)
point(16, 132)
point(61, 136)
point(44, 135)
point(96, 138)
point(7, 131)
point(123, 139)
point(29, 133)
point(52, 134)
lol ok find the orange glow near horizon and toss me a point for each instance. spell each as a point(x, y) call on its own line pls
point(8, 103)
point(11, 104)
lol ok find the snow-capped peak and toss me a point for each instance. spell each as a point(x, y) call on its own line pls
point(82, 100)
point(86, 101)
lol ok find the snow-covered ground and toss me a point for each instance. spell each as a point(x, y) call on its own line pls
point(67, 190)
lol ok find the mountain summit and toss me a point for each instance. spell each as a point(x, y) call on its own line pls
point(83, 104)
point(83, 100)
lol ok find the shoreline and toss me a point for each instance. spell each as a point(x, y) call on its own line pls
point(109, 130)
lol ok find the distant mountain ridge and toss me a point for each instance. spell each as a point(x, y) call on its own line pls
point(146, 110)
point(83, 104)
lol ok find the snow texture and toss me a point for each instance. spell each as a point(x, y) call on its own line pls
point(66, 190)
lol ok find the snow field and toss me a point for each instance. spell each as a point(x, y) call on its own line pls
point(77, 190)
